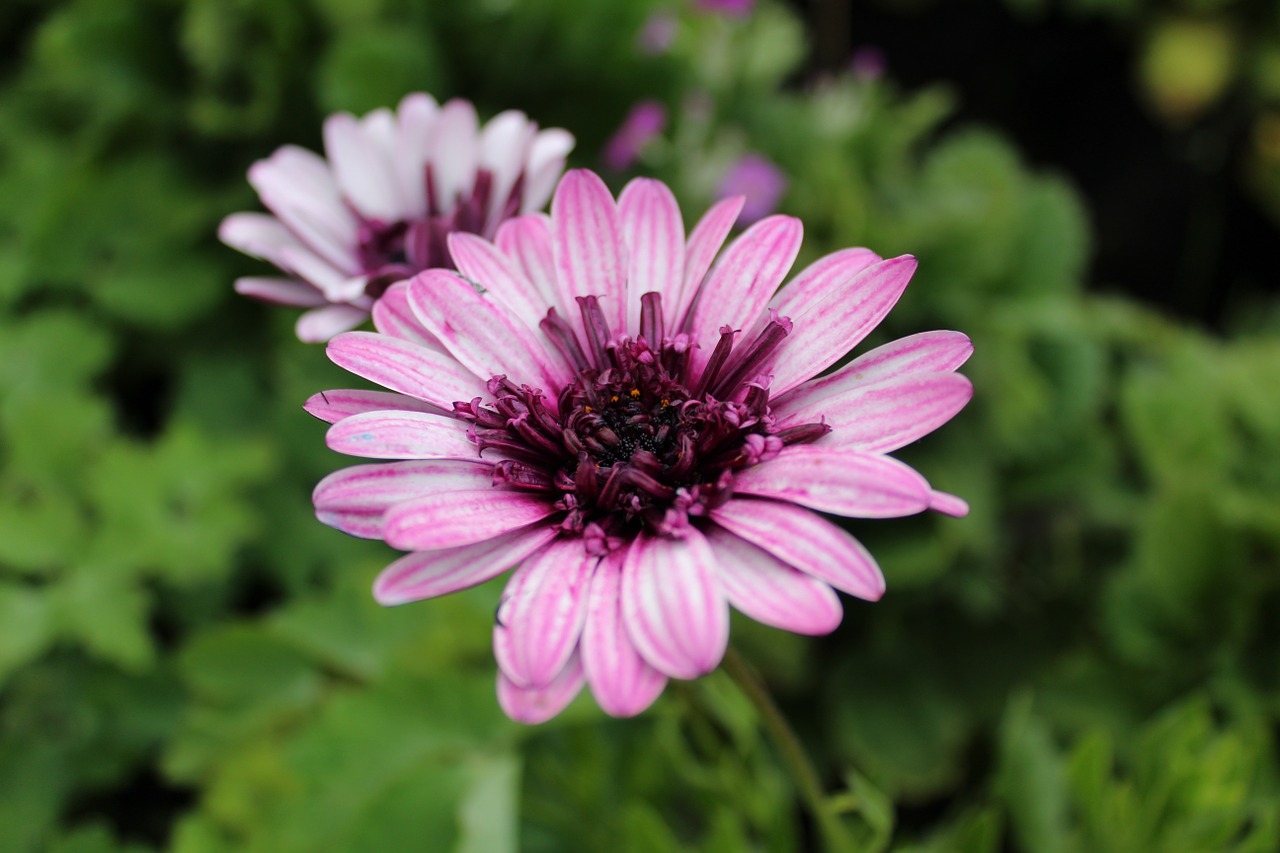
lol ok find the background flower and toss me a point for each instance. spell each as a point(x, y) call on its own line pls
point(394, 187)
point(647, 460)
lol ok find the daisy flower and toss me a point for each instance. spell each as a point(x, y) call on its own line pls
point(643, 435)
point(381, 207)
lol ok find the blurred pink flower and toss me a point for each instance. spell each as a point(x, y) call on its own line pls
point(395, 185)
point(645, 122)
point(658, 33)
point(757, 180)
point(638, 432)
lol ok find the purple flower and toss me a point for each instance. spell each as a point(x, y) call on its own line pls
point(646, 120)
point(639, 433)
point(735, 8)
point(380, 209)
point(757, 180)
point(658, 33)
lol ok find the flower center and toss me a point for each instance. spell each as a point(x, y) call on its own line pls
point(393, 251)
point(639, 438)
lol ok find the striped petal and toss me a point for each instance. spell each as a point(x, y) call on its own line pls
point(481, 335)
point(401, 435)
point(415, 117)
point(538, 704)
point(672, 605)
point(704, 244)
point(654, 231)
point(948, 504)
point(805, 541)
point(771, 592)
point(620, 679)
point(820, 278)
point(333, 406)
point(527, 241)
point(454, 519)
point(844, 482)
point(354, 499)
point(393, 316)
point(882, 417)
point(743, 280)
point(830, 325)
point(482, 262)
point(406, 367)
point(428, 574)
point(540, 618)
point(590, 255)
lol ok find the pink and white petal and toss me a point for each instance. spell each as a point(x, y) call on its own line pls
point(882, 417)
point(538, 623)
point(948, 504)
point(320, 324)
point(483, 263)
point(362, 168)
point(806, 541)
point(393, 316)
point(926, 352)
point(256, 234)
point(770, 591)
point(336, 285)
point(380, 485)
point(940, 351)
point(546, 161)
point(415, 118)
point(406, 367)
point(620, 679)
point(297, 186)
point(281, 291)
point(817, 280)
point(843, 482)
point(743, 281)
point(830, 326)
point(429, 574)
point(504, 148)
point(654, 231)
point(672, 605)
point(401, 435)
point(539, 704)
point(333, 406)
point(527, 241)
point(588, 248)
point(456, 153)
point(454, 519)
point(704, 243)
point(354, 499)
point(481, 334)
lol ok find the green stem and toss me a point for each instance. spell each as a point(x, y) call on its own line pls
point(835, 838)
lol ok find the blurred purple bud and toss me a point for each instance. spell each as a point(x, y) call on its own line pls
point(759, 181)
point(646, 120)
point(867, 63)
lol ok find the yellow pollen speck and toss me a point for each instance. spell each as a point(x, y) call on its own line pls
point(614, 398)
point(665, 402)
point(587, 409)
point(635, 392)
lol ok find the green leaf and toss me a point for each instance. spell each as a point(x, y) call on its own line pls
point(26, 626)
point(1030, 780)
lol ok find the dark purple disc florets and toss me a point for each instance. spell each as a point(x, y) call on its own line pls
point(640, 438)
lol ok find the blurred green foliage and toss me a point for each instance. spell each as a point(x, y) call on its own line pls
point(189, 662)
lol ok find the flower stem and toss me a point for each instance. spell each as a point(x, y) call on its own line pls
point(835, 838)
